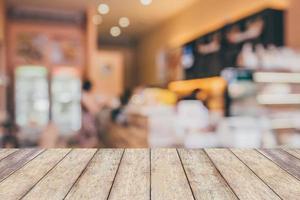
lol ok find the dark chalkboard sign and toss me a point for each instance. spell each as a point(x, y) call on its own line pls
point(219, 49)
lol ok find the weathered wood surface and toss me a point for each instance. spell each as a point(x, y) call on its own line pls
point(133, 178)
point(57, 183)
point(271, 174)
point(24, 179)
point(96, 182)
point(285, 160)
point(168, 179)
point(5, 152)
point(143, 174)
point(16, 160)
point(245, 183)
point(198, 167)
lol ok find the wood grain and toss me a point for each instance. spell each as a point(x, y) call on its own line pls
point(16, 160)
point(241, 179)
point(205, 180)
point(293, 152)
point(133, 177)
point(285, 160)
point(6, 152)
point(97, 180)
point(168, 177)
point(143, 174)
point(59, 180)
point(275, 177)
point(15, 186)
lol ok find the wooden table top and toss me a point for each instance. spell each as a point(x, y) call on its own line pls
point(159, 174)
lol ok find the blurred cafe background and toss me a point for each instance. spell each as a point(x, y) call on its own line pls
point(149, 73)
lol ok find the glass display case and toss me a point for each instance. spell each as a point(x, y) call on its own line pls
point(66, 95)
point(31, 96)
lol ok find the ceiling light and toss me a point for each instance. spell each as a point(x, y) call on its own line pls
point(124, 22)
point(146, 2)
point(103, 9)
point(97, 19)
point(115, 31)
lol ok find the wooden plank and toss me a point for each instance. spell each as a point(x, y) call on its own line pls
point(168, 180)
point(133, 177)
point(60, 179)
point(16, 160)
point(15, 186)
point(6, 152)
point(285, 185)
point(285, 160)
point(204, 178)
point(293, 152)
point(241, 179)
point(97, 180)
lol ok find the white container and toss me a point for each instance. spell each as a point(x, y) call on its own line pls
point(240, 132)
point(201, 140)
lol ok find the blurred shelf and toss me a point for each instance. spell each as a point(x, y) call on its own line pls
point(276, 77)
point(278, 99)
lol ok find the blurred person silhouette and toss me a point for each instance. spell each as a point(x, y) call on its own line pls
point(89, 100)
point(88, 136)
point(117, 114)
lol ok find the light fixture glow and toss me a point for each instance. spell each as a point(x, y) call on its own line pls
point(146, 2)
point(124, 22)
point(115, 31)
point(97, 19)
point(103, 9)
